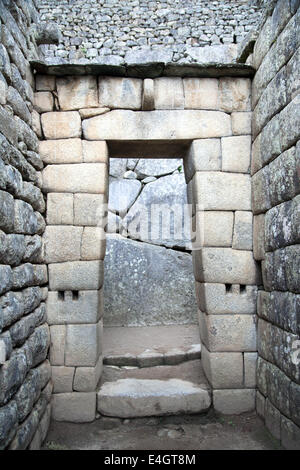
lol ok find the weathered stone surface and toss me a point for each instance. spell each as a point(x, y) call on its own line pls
point(235, 94)
point(86, 308)
point(86, 113)
point(214, 299)
point(77, 178)
point(76, 275)
point(83, 344)
point(234, 401)
point(151, 398)
point(25, 219)
point(279, 308)
point(259, 237)
point(8, 423)
point(60, 209)
point(222, 191)
point(201, 93)
point(18, 105)
point(117, 167)
point(157, 125)
point(74, 407)
point(135, 299)
point(228, 332)
point(165, 195)
point(25, 432)
point(260, 191)
point(241, 123)
point(43, 101)
point(87, 378)
point(203, 155)
point(6, 212)
point(272, 419)
point(62, 378)
point(279, 231)
point(218, 54)
point(168, 93)
point(77, 92)
point(290, 434)
point(45, 82)
point(93, 243)
point(23, 328)
point(156, 167)
point(224, 265)
point(61, 151)
point(58, 341)
point(223, 369)
point(284, 179)
point(122, 194)
point(114, 223)
point(250, 360)
point(62, 243)
point(123, 93)
point(268, 142)
point(6, 277)
point(236, 153)
point(212, 228)
point(12, 248)
point(61, 125)
point(242, 234)
point(94, 151)
point(89, 209)
point(148, 95)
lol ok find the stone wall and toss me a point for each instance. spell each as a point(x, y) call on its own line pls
point(276, 199)
point(25, 386)
point(95, 29)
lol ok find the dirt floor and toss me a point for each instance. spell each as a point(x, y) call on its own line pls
point(202, 432)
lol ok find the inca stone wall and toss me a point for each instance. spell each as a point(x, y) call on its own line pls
point(98, 29)
point(276, 199)
point(146, 292)
point(25, 386)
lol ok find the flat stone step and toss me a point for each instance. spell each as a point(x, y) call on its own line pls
point(133, 398)
point(151, 346)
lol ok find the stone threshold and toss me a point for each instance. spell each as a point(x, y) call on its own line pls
point(145, 69)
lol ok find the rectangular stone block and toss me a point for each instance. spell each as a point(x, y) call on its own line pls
point(83, 344)
point(234, 402)
point(259, 237)
point(61, 151)
point(242, 233)
point(283, 177)
point(62, 243)
point(235, 94)
point(223, 369)
point(90, 209)
point(157, 125)
point(256, 159)
point(241, 123)
point(77, 92)
point(222, 191)
point(225, 266)
point(77, 178)
point(290, 123)
point(62, 378)
point(93, 243)
point(221, 333)
point(95, 151)
point(250, 360)
point(260, 191)
point(236, 153)
point(168, 93)
point(279, 308)
point(203, 155)
point(84, 307)
point(57, 346)
point(270, 144)
point(119, 92)
point(272, 419)
point(44, 82)
point(61, 125)
point(215, 299)
point(74, 407)
point(60, 209)
point(213, 228)
point(87, 378)
point(76, 275)
point(201, 93)
point(43, 101)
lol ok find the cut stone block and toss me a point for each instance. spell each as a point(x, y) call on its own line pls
point(230, 402)
point(61, 125)
point(119, 92)
point(77, 92)
point(168, 93)
point(157, 125)
point(230, 333)
point(83, 344)
point(74, 407)
point(222, 191)
point(43, 101)
point(60, 209)
point(236, 153)
point(76, 275)
point(235, 94)
point(203, 155)
point(87, 378)
point(61, 151)
point(95, 151)
point(225, 266)
point(250, 359)
point(201, 93)
point(272, 419)
point(242, 234)
point(86, 113)
point(241, 123)
point(223, 369)
point(213, 228)
point(122, 194)
point(89, 209)
point(62, 243)
point(57, 346)
point(62, 378)
point(156, 167)
point(93, 243)
point(44, 82)
point(148, 95)
point(132, 398)
point(77, 178)
point(86, 307)
point(214, 299)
